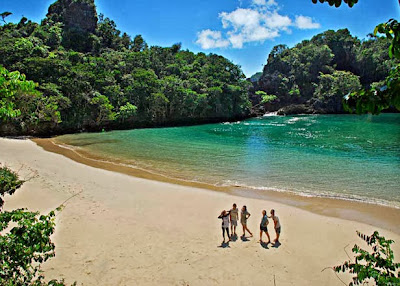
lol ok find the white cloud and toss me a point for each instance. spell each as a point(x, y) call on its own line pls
point(259, 2)
point(208, 39)
point(236, 40)
point(240, 18)
point(304, 22)
point(252, 25)
point(274, 20)
point(258, 23)
point(264, 2)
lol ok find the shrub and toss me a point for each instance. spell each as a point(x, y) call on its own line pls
point(378, 264)
point(25, 241)
point(9, 183)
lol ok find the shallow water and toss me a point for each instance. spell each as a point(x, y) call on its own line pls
point(342, 156)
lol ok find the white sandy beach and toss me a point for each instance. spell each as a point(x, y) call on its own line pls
point(122, 230)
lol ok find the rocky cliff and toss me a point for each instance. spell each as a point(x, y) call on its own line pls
point(79, 21)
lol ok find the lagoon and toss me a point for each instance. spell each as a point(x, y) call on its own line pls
point(338, 156)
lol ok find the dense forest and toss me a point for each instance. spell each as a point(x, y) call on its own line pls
point(91, 76)
point(314, 75)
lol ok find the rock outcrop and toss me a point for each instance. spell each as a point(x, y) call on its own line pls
point(332, 105)
point(79, 22)
point(79, 15)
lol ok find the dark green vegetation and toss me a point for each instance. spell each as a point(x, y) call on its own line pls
point(377, 265)
point(313, 76)
point(373, 99)
point(25, 240)
point(337, 3)
point(91, 76)
point(9, 183)
point(84, 74)
point(376, 98)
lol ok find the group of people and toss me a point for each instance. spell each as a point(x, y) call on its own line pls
point(231, 218)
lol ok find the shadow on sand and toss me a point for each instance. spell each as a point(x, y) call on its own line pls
point(234, 237)
point(276, 244)
point(264, 245)
point(224, 245)
point(244, 238)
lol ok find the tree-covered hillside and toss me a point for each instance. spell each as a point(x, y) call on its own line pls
point(91, 76)
point(313, 76)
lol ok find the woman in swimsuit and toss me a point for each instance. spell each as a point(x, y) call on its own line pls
point(244, 215)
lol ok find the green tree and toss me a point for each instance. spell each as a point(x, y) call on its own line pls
point(377, 265)
point(139, 44)
point(12, 86)
point(9, 183)
point(4, 15)
point(103, 109)
point(88, 71)
point(127, 111)
point(294, 75)
point(378, 98)
point(265, 97)
point(337, 3)
point(337, 84)
point(374, 100)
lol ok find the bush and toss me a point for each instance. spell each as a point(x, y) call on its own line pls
point(378, 265)
point(9, 183)
point(25, 241)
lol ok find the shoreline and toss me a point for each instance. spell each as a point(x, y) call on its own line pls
point(369, 213)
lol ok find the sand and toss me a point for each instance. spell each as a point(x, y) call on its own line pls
point(124, 230)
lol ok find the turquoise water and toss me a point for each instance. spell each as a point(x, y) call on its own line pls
point(344, 156)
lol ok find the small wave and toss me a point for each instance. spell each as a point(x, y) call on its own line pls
point(270, 114)
point(314, 194)
point(230, 123)
point(293, 120)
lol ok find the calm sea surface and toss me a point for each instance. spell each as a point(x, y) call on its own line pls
point(342, 156)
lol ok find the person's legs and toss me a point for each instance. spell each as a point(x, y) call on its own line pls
point(234, 230)
point(227, 231)
point(249, 231)
point(266, 232)
point(261, 235)
point(278, 232)
point(244, 229)
point(223, 233)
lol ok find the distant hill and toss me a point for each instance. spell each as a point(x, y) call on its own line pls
point(92, 77)
point(314, 75)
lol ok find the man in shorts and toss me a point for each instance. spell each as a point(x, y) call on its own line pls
point(234, 216)
point(263, 226)
point(277, 225)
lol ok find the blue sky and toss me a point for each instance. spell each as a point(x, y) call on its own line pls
point(244, 31)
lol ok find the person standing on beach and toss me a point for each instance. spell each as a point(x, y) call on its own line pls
point(234, 215)
point(225, 224)
point(244, 215)
point(277, 225)
point(263, 226)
